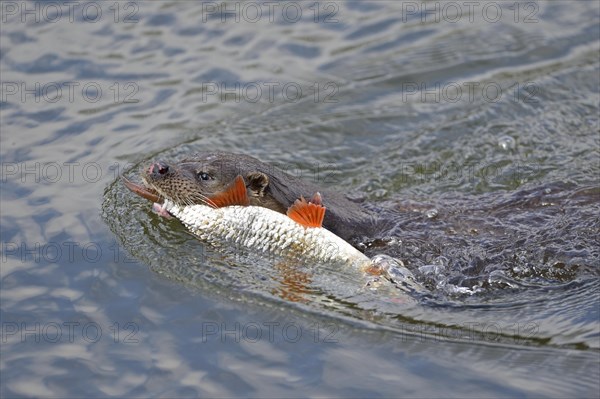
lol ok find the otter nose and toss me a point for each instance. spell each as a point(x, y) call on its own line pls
point(158, 168)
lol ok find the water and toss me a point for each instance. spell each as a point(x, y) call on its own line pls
point(476, 139)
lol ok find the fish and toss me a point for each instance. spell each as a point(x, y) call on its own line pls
point(227, 219)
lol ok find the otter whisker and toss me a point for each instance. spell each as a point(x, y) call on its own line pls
point(203, 199)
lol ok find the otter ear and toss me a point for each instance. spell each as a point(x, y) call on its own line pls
point(257, 183)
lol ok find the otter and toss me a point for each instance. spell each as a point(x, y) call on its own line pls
point(206, 174)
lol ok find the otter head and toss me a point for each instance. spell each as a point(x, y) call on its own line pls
point(196, 180)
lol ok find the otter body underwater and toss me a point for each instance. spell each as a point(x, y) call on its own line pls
point(225, 198)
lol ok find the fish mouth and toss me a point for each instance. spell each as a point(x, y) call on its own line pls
point(144, 192)
point(148, 193)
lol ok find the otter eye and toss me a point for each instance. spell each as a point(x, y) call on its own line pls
point(203, 176)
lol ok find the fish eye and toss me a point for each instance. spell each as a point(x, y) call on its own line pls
point(203, 176)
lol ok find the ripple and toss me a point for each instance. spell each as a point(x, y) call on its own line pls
point(496, 294)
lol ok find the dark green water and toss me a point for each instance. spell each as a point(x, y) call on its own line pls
point(475, 135)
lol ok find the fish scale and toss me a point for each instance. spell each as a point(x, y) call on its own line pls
point(263, 230)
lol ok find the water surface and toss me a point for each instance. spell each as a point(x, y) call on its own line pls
point(476, 139)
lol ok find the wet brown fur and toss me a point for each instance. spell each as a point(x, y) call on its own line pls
point(266, 186)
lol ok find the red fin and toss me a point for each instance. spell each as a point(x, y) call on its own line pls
point(235, 194)
point(307, 214)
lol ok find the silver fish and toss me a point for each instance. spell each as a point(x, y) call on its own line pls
point(299, 235)
point(264, 230)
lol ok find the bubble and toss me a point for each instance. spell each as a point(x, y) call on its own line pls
point(431, 213)
point(454, 289)
point(391, 241)
point(380, 193)
point(386, 261)
point(507, 143)
point(431, 269)
point(393, 268)
point(362, 246)
point(398, 274)
point(498, 277)
point(395, 241)
point(441, 261)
